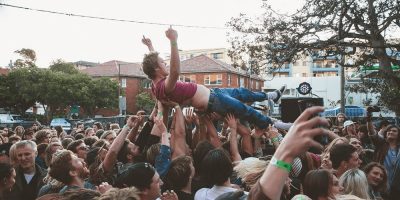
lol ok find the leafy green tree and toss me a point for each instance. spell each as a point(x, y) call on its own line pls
point(62, 66)
point(144, 101)
point(103, 93)
point(28, 58)
point(355, 32)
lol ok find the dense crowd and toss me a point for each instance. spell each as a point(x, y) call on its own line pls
point(191, 159)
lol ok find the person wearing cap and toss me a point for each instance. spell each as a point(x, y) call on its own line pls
point(144, 177)
point(349, 129)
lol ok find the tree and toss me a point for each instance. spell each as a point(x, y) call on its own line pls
point(145, 102)
point(28, 58)
point(356, 32)
point(17, 89)
point(64, 67)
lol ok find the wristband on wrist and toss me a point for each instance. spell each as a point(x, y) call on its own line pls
point(281, 164)
point(126, 126)
point(176, 107)
point(174, 43)
point(275, 139)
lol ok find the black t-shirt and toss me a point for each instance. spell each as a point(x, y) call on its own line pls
point(184, 196)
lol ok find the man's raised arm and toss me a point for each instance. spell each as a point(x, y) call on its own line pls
point(174, 70)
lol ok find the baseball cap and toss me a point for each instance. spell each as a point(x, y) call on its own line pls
point(347, 123)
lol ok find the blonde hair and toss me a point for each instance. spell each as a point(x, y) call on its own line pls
point(125, 194)
point(355, 182)
point(250, 170)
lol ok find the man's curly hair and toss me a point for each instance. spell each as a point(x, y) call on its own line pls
point(150, 63)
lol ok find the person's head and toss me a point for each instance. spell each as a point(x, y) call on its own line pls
point(153, 64)
point(19, 130)
point(5, 152)
point(79, 136)
point(89, 132)
point(349, 127)
point(376, 176)
point(41, 148)
point(28, 134)
point(50, 150)
point(152, 152)
point(357, 144)
point(81, 193)
point(79, 148)
point(250, 170)
point(384, 123)
point(97, 126)
point(67, 167)
point(89, 141)
point(216, 167)
point(7, 176)
point(109, 136)
point(59, 130)
point(354, 182)
point(80, 126)
point(114, 126)
point(392, 133)
point(42, 136)
point(326, 162)
point(362, 132)
point(130, 193)
point(200, 152)
point(66, 141)
point(344, 157)
point(26, 151)
point(128, 152)
point(14, 139)
point(142, 176)
point(321, 183)
point(180, 172)
point(340, 117)
point(35, 126)
point(339, 140)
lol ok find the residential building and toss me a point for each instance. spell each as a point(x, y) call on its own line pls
point(220, 54)
point(132, 81)
point(81, 65)
point(4, 71)
point(215, 73)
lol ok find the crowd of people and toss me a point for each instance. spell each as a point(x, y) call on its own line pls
point(202, 144)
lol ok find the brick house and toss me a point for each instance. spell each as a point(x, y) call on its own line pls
point(4, 71)
point(132, 81)
point(214, 73)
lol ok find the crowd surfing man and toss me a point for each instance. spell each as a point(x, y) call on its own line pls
point(167, 87)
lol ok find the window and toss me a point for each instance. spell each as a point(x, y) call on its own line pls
point(213, 79)
point(146, 84)
point(318, 64)
point(187, 78)
point(303, 74)
point(241, 84)
point(217, 55)
point(257, 85)
point(123, 83)
point(229, 79)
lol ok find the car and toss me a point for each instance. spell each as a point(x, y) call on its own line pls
point(64, 123)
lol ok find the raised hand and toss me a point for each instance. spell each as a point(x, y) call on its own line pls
point(169, 195)
point(160, 124)
point(148, 43)
point(132, 121)
point(231, 121)
point(171, 34)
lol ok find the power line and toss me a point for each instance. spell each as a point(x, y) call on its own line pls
point(109, 19)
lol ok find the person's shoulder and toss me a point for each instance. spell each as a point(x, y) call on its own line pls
point(201, 194)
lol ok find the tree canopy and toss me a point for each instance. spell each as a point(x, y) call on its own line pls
point(356, 32)
point(57, 87)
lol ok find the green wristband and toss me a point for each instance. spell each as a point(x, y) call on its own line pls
point(174, 43)
point(281, 164)
point(275, 139)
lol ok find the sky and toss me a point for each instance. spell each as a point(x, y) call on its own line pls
point(73, 38)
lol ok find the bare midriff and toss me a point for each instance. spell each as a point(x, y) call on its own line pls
point(200, 98)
